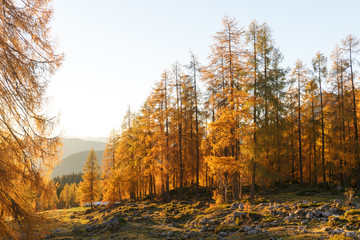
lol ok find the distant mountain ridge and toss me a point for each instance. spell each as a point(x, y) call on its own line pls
point(75, 152)
point(74, 163)
point(75, 145)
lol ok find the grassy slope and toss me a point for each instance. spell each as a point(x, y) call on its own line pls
point(179, 216)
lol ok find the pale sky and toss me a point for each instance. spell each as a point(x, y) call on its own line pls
point(115, 49)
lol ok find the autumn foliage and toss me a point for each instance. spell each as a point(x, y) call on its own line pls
point(28, 147)
point(242, 119)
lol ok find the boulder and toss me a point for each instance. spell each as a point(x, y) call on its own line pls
point(351, 235)
point(253, 231)
point(113, 223)
point(241, 206)
point(326, 214)
point(239, 214)
point(336, 232)
point(170, 234)
point(290, 217)
point(316, 213)
point(309, 215)
point(204, 221)
point(300, 212)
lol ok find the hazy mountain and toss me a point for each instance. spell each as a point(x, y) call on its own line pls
point(75, 152)
point(96, 139)
point(75, 145)
point(74, 163)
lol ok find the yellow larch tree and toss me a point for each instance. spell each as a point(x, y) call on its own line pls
point(28, 146)
point(90, 186)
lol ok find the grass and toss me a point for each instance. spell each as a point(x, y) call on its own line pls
point(150, 220)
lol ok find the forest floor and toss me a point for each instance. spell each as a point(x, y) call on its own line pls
point(302, 214)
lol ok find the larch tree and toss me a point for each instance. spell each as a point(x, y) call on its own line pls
point(28, 146)
point(90, 186)
point(252, 123)
point(252, 39)
point(299, 76)
point(225, 72)
point(319, 68)
point(111, 189)
point(337, 80)
point(351, 46)
point(194, 68)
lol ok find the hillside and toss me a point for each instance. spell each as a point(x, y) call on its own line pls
point(74, 163)
point(75, 145)
point(286, 216)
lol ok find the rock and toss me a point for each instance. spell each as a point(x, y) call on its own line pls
point(245, 228)
point(336, 232)
point(239, 214)
point(290, 217)
point(334, 210)
point(204, 221)
point(351, 235)
point(89, 228)
point(193, 234)
point(173, 224)
point(211, 228)
point(170, 234)
point(113, 223)
point(185, 236)
point(234, 206)
point(300, 212)
point(241, 206)
point(275, 213)
point(87, 211)
point(302, 229)
point(316, 213)
point(326, 214)
point(324, 207)
point(223, 234)
point(309, 215)
point(306, 221)
point(213, 222)
point(253, 231)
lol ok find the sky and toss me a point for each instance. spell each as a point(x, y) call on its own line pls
point(115, 49)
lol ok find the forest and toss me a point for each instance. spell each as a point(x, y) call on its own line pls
point(241, 120)
point(237, 124)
